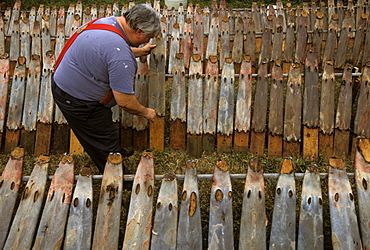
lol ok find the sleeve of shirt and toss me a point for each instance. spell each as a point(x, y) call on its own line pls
point(122, 75)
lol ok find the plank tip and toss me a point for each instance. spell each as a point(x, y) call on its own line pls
point(222, 165)
point(287, 166)
point(115, 158)
point(17, 153)
point(336, 163)
point(363, 146)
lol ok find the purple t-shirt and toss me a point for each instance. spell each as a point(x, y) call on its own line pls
point(96, 62)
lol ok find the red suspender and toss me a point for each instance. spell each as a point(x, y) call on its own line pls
point(89, 26)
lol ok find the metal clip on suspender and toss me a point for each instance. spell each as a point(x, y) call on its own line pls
point(89, 26)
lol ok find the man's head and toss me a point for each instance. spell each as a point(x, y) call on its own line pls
point(144, 20)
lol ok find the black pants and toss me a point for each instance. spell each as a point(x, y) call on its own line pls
point(92, 124)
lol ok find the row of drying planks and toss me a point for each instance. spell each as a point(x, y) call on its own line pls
point(65, 218)
point(203, 113)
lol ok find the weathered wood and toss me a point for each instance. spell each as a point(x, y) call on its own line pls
point(75, 146)
point(189, 232)
point(250, 40)
point(243, 107)
point(139, 218)
point(283, 227)
point(293, 104)
point(32, 94)
point(220, 234)
point(362, 177)
point(25, 40)
point(186, 44)
point(327, 105)
point(289, 39)
point(310, 234)
point(51, 229)
point(237, 50)
point(43, 139)
point(301, 37)
point(366, 52)
point(343, 115)
point(253, 218)
point(10, 180)
point(276, 111)
point(11, 140)
point(45, 37)
point(265, 53)
point(108, 216)
point(318, 34)
point(80, 218)
point(23, 229)
point(331, 40)
point(174, 46)
point(126, 129)
point(164, 231)
point(68, 19)
point(198, 42)
point(343, 43)
point(15, 43)
point(277, 40)
point(4, 84)
point(224, 41)
point(16, 98)
point(358, 45)
point(213, 37)
point(260, 109)
point(36, 40)
point(344, 227)
point(225, 118)
point(60, 141)
point(157, 93)
point(362, 119)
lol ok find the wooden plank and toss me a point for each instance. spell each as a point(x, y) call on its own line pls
point(220, 234)
point(243, 107)
point(344, 41)
point(318, 34)
point(283, 227)
point(292, 112)
point(141, 124)
point(198, 35)
point(362, 177)
point(265, 52)
point(43, 139)
point(10, 180)
point(301, 37)
point(276, 112)
point(25, 40)
point(24, 226)
point(127, 132)
point(237, 50)
point(189, 232)
point(174, 46)
point(311, 143)
point(225, 117)
point(11, 140)
point(260, 111)
point(80, 218)
point(344, 225)
point(224, 48)
point(15, 43)
point(139, 218)
point(108, 216)
point(253, 217)
point(194, 145)
point(75, 146)
point(186, 41)
point(250, 40)
point(164, 234)
point(311, 230)
point(54, 215)
point(277, 40)
point(212, 43)
point(178, 106)
point(157, 77)
point(28, 140)
point(210, 103)
point(358, 45)
point(327, 107)
point(343, 115)
point(289, 39)
point(60, 141)
point(362, 119)
point(366, 51)
point(36, 40)
point(4, 84)
point(32, 94)
point(331, 40)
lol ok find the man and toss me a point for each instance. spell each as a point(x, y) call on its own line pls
point(100, 62)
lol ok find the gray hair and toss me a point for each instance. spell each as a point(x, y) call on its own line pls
point(145, 18)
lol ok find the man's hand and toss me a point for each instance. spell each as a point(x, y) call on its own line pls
point(143, 51)
point(150, 114)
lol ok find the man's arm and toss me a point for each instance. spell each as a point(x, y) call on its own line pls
point(130, 104)
point(143, 51)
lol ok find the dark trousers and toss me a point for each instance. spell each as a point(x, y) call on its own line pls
point(92, 124)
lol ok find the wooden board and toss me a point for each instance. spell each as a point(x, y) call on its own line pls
point(220, 233)
point(75, 146)
point(177, 135)
point(189, 231)
point(56, 207)
point(141, 141)
point(310, 148)
point(43, 139)
point(108, 216)
point(156, 134)
point(139, 218)
point(60, 141)
point(194, 145)
point(24, 226)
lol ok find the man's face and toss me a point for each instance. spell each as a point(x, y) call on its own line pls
point(140, 38)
